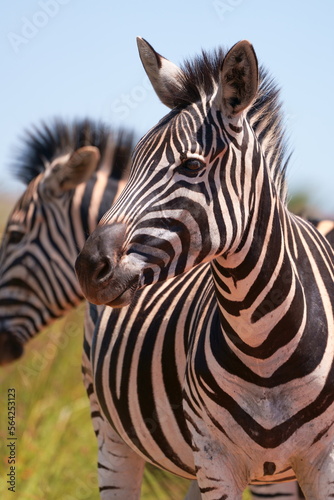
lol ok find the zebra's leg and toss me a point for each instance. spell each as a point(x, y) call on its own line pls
point(315, 474)
point(120, 469)
point(280, 491)
point(218, 474)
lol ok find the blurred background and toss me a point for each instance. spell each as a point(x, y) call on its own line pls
point(73, 59)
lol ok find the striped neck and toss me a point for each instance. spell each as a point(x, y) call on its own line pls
point(261, 302)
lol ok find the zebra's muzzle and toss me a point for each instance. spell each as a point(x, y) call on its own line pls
point(10, 348)
point(104, 273)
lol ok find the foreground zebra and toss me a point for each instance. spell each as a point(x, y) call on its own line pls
point(55, 223)
point(257, 399)
point(73, 173)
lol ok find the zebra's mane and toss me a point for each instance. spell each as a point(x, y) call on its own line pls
point(202, 74)
point(42, 144)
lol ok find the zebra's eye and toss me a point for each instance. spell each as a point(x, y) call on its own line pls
point(192, 165)
point(15, 237)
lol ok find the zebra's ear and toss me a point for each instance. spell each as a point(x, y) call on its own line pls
point(68, 172)
point(79, 168)
point(239, 79)
point(163, 74)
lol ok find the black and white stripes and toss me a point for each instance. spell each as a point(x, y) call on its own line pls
point(73, 172)
point(152, 338)
point(208, 187)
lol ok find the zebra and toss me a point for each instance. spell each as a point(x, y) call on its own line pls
point(257, 393)
point(49, 289)
point(73, 172)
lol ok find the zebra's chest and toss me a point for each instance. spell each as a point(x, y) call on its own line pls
point(262, 426)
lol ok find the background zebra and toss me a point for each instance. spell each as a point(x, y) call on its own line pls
point(73, 172)
point(49, 289)
point(257, 398)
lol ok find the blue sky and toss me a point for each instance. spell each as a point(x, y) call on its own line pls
point(76, 58)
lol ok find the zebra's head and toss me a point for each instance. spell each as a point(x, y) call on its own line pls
point(194, 175)
point(65, 166)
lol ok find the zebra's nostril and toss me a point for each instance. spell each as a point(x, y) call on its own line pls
point(98, 262)
point(104, 271)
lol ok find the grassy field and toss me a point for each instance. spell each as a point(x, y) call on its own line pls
point(55, 450)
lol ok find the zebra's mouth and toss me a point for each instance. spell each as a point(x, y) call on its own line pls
point(125, 297)
point(115, 292)
point(10, 348)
